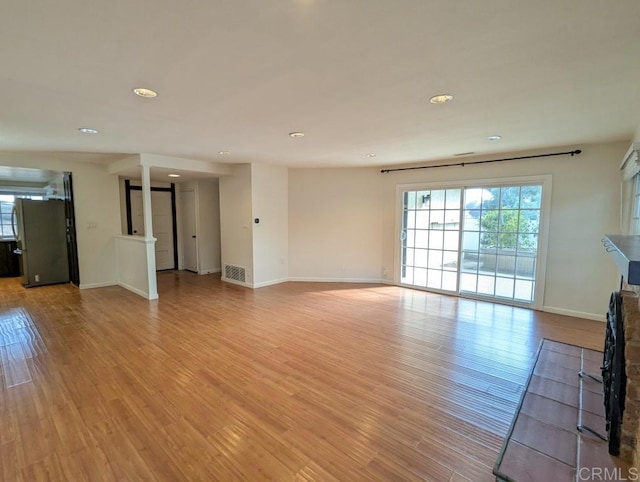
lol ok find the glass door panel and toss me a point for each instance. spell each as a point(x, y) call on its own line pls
point(431, 239)
point(500, 241)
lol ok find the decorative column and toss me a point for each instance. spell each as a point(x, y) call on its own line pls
point(148, 232)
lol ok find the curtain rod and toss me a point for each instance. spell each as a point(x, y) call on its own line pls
point(462, 164)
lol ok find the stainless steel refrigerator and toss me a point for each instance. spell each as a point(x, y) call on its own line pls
point(40, 230)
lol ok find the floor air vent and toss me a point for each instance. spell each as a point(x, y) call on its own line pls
point(236, 273)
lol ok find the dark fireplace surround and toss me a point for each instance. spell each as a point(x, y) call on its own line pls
point(614, 377)
point(621, 364)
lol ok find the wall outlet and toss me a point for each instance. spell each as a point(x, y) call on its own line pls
point(37, 278)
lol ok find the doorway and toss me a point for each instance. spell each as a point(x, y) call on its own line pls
point(476, 240)
point(43, 185)
point(163, 202)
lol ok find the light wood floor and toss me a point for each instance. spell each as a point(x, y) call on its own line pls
point(299, 381)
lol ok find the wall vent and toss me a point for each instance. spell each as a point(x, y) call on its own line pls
point(236, 273)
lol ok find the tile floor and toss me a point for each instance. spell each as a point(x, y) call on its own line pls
point(545, 444)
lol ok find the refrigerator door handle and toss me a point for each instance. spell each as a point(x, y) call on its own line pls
point(13, 222)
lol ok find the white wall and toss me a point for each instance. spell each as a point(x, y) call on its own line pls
point(335, 224)
point(236, 224)
point(255, 191)
point(133, 254)
point(342, 221)
point(270, 235)
point(208, 200)
point(96, 203)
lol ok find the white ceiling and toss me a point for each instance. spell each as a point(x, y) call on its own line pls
point(354, 76)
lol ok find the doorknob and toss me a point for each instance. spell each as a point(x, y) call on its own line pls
point(194, 236)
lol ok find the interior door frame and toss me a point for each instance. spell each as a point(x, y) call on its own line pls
point(543, 236)
point(174, 225)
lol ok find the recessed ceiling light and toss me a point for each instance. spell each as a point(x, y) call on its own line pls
point(371, 154)
point(224, 153)
point(174, 175)
point(146, 93)
point(296, 135)
point(441, 99)
point(88, 130)
point(494, 138)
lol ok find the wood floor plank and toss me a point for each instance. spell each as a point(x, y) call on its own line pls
point(312, 472)
point(298, 381)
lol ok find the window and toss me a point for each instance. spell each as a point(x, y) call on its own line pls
point(635, 224)
point(6, 208)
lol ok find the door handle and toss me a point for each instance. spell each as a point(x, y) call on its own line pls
point(13, 222)
point(194, 236)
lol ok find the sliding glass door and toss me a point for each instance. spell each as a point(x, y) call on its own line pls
point(477, 240)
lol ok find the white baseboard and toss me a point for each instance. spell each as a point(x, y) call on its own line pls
point(88, 286)
point(340, 280)
point(576, 314)
point(210, 271)
point(137, 291)
point(307, 280)
point(234, 282)
point(270, 283)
